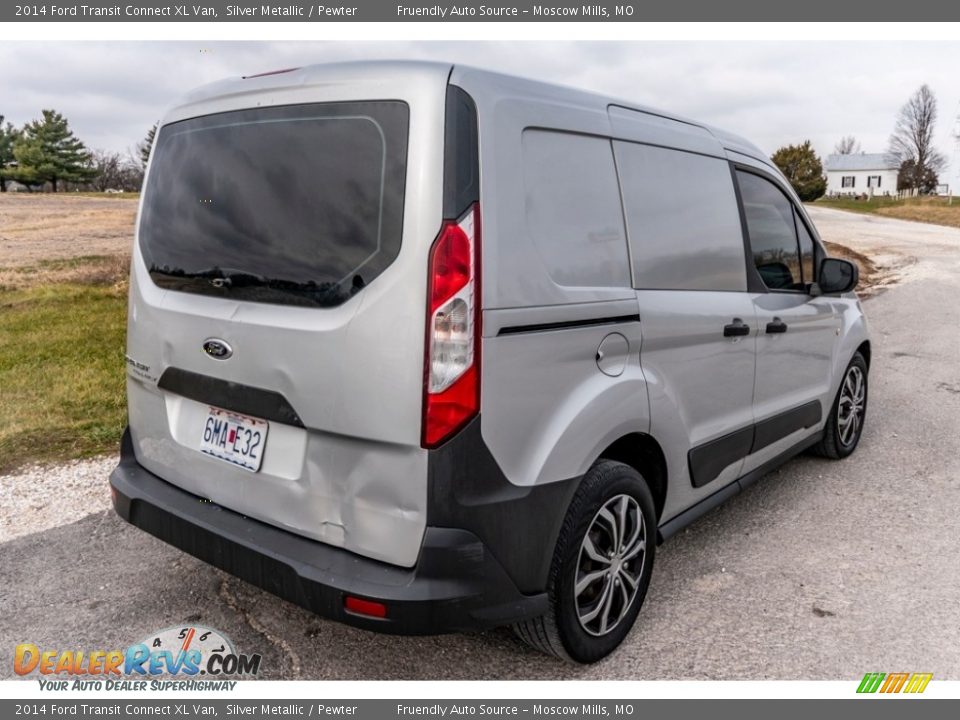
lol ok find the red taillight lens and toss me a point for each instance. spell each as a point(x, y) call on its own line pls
point(359, 606)
point(451, 375)
point(451, 264)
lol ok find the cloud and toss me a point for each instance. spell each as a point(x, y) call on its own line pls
point(772, 93)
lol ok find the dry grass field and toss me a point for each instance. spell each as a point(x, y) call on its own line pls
point(36, 227)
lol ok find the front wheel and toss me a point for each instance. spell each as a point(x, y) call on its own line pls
point(843, 428)
point(601, 567)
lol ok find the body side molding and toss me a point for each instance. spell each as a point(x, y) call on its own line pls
point(706, 461)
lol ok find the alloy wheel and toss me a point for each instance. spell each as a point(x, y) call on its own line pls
point(610, 565)
point(851, 407)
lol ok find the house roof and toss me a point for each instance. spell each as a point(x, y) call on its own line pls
point(861, 161)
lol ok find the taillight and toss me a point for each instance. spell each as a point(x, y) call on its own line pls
point(452, 372)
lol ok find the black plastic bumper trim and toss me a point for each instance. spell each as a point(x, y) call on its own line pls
point(265, 404)
point(519, 525)
point(456, 585)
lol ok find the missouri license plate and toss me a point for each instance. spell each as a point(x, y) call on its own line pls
point(234, 438)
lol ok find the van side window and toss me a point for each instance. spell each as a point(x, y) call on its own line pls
point(573, 209)
point(807, 251)
point(682, 219)
point(773, 232)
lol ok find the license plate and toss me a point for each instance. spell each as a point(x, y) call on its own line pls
point(234, 438)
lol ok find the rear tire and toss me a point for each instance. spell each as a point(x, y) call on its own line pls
point(606, 550)
point(844, 425)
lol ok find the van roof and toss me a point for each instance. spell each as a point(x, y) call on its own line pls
point(325, 74)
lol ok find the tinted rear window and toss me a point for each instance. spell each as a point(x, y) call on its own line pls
point(299, 205)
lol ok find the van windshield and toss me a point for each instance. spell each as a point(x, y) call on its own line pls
point(298, 205)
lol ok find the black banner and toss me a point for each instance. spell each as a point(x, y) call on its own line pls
point(473, 11)
point(428, 709)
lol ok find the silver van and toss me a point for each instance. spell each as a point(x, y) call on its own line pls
point(427, 348)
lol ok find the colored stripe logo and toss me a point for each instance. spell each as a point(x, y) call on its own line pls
point(914, 683)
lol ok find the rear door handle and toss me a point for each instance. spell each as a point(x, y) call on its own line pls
point(776, 326)
point(737, 328)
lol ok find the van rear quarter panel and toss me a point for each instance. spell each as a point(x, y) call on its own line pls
point(355, 476)
point(547, 410)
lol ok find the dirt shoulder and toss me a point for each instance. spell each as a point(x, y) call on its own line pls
point(873, 277)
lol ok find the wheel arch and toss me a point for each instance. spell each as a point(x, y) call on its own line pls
point(644, 454)
point(864, 349)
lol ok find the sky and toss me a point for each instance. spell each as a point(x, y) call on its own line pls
point(771, 93)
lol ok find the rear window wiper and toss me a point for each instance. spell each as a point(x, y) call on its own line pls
point(218, 277)
point(323, 293)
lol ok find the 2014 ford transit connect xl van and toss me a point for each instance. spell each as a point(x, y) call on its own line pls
point(426, 348)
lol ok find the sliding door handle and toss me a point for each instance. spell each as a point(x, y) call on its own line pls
point(776, 326)
point(737, 328)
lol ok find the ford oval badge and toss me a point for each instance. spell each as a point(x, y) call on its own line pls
point(217, 349)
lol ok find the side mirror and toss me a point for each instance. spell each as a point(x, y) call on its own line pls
point(836, 277)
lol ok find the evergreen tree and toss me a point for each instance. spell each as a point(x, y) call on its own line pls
point(147, 145)
point(48, 151)
point(8, 136)
point(910, 178)
point(802, 167)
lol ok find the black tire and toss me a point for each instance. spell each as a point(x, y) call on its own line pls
point(560, 631)
point(833, 445)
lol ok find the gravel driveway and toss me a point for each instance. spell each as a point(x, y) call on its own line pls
point(822, 571)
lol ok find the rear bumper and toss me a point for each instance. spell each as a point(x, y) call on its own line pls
point(456, 584)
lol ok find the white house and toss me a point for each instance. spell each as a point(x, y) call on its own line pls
point(861, 174)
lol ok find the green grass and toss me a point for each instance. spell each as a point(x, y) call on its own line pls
point(61, 371)
point(863, 206)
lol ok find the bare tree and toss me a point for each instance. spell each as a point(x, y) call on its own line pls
point(116, 172)
point(108, 167)
point(848, 145)
point(912, 138)
point(134, 167)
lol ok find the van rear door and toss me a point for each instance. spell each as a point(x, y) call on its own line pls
point(278, 294)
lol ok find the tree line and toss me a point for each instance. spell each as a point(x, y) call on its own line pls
point(45, 154)
point(911, 148)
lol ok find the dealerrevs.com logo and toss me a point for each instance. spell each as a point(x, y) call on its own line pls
point(176, 652)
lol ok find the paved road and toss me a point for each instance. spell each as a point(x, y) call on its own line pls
point(822, 571)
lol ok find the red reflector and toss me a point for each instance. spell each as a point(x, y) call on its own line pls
point(365, 607)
